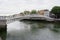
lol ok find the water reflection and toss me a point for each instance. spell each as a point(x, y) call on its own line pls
point(56, 27)
point(31, 30)
point(35, 24)
point(3, 33)
point(38, 25)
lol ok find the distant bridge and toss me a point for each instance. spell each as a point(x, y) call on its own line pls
point(34, 17)
point(25, 17)
point(7, 19)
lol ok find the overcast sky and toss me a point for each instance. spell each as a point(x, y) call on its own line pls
point(9, 7)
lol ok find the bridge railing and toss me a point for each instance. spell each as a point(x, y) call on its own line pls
point(33, 15)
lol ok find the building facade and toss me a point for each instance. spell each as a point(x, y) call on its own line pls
point(44, 12)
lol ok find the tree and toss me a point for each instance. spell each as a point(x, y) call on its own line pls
point(21, 14)
point(56, 10)
point(33, 12)
point(26, 12)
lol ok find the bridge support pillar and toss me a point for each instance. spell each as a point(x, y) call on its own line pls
point(3, 24)
point(3, 29)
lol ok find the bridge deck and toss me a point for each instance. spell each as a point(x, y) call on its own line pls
point(9, 19)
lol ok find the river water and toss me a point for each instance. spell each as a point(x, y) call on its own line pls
point(33, 30)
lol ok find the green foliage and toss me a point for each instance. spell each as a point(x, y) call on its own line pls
point(57, 25)
point(26, 12)
point(56, 10)
point(33, 12)
point(22, 13)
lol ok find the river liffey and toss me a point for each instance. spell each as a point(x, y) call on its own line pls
point(32, 30)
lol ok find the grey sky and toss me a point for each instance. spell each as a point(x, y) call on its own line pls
point(9, 7)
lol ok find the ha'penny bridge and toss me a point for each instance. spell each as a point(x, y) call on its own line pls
point(4, 20)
